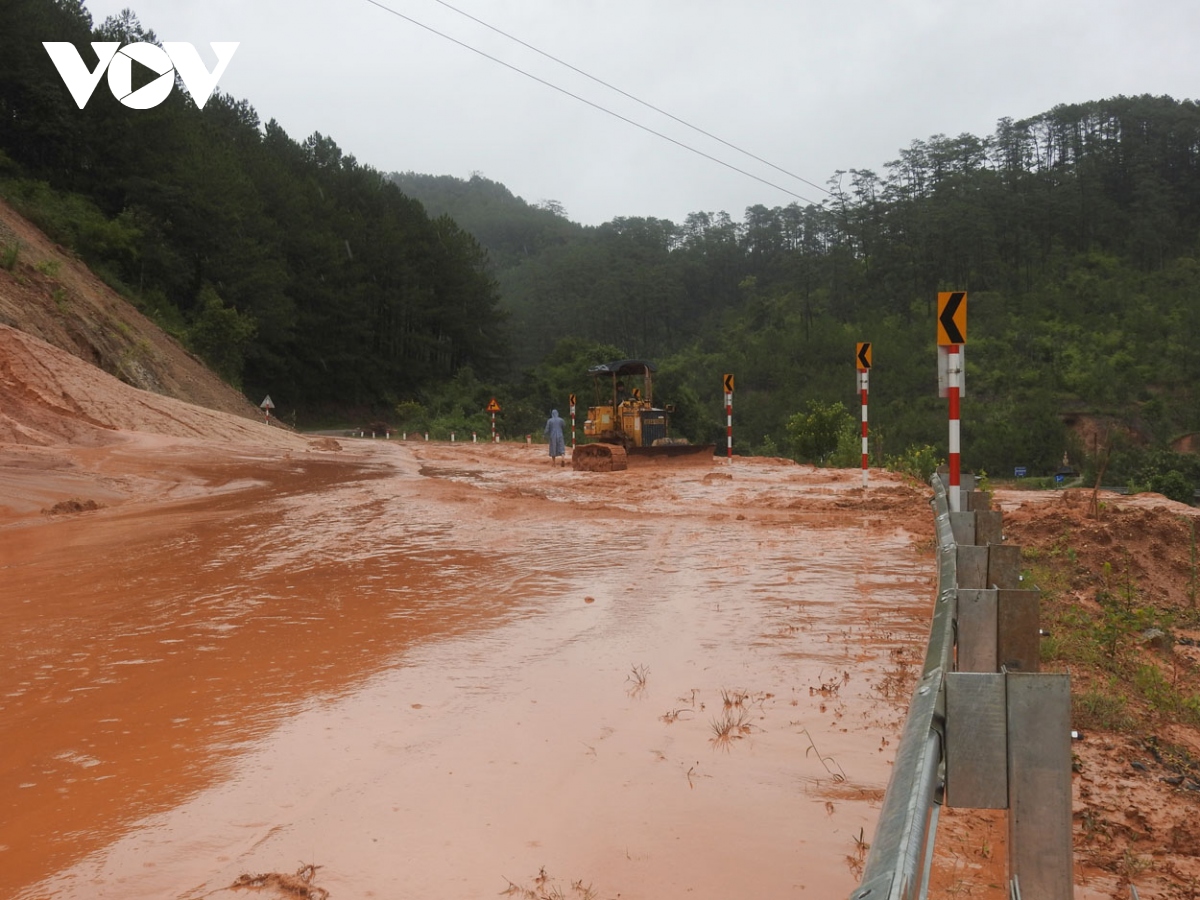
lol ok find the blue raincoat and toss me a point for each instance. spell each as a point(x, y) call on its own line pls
point(554, 432)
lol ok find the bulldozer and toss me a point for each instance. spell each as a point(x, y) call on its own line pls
point(627, 426)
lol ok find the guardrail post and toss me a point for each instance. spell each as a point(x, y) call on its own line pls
point(1018, 637)
point(976, 740)
point(1039, 785)
point(978, 501)
point(977, 631)
point(987, 526)
point(972, 566)
point(963, 526)
point(1004, 566)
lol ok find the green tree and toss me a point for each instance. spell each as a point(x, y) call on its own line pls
point(814, 434)
point(220, 335)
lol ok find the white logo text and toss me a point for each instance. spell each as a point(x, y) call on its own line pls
point(171, 57)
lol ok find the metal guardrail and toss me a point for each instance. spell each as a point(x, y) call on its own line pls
point(898, 864)
point(986, 729)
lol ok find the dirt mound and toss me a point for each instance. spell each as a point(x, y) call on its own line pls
point(325, 443)
point(49, 397)
point(1119, 583)
point(52, 296)
point(74, 505)
point(1146, 539)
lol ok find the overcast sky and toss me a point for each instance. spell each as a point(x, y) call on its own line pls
point(810, 87)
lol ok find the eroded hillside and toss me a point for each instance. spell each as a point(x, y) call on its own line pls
point(47, 293)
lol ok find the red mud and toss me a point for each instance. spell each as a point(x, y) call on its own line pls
point(433, 670)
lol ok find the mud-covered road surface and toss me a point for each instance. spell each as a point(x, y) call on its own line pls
point(447, 671)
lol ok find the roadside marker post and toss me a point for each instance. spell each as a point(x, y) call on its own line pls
point(862, 355)
point(728, 385)
point(266, 406)
point(952, 335)
point(572, 423)
point(493, 407)
point(952, 372)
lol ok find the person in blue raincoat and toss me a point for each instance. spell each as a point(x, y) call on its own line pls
point(554, 433)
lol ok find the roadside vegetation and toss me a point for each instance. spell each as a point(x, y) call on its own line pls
point(1122, 623)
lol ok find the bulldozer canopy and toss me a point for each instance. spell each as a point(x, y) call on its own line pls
point(623, 367)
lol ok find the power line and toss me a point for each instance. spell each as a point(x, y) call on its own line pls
point(590, 103)
point(651, 106)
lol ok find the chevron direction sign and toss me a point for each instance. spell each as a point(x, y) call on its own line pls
point(952, 318)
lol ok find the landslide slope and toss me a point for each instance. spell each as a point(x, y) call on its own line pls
point(52, 296)
point(50, 398)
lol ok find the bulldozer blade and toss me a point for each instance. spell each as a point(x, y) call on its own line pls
point(673, 454)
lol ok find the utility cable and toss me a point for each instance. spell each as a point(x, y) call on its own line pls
point(590, 103)
point(638, 100)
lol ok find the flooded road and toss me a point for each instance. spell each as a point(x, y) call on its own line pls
point(448, 671)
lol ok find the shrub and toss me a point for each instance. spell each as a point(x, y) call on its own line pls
point(814, 434)
point(916, 462)
point(768, 447)
point(1173, 485)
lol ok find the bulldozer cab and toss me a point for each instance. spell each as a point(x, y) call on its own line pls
point(624, 412)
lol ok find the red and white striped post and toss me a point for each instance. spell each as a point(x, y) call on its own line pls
point(728, 384)
point(729, 427)
point(952, 335)
point(493, 407)
point(862, 355)
point(864, 380)
point(952, 389)
point(572, 399)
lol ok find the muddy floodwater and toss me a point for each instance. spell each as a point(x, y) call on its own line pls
point(447, 671)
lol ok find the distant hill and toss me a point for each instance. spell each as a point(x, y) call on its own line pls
point(508, 227)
